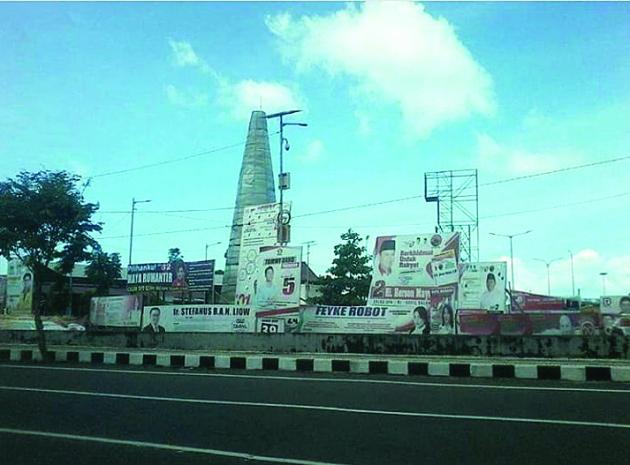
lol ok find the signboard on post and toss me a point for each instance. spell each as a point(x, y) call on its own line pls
point(260, 230)
point(198, 318)
point(201, 275)
point(119, 311)
point(277, 281)
point(179, 275)
point(407, 267)
point(482, 286)
point(20, 285)
point(148, 277)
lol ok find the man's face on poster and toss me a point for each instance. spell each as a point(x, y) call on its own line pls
point(269, 275)
point(624, 305)
point(387, 259)
point(155, 316)
point(490, 283)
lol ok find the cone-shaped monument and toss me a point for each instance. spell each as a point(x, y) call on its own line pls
point(255, 187)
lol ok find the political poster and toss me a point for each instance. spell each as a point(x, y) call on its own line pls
point(19, 288)
point(407, 267)
point(286, 319)
point(198, 318)
point(354, 320)
point(260, 230)
point(545, 323)
point(201, 275)
point(525, 301)
point(482, 286)
point(615, 313)
point(276, 284)
point(270, 325)
point(147, 277)
point(118, 311)
point(178, 275)
point(615, 304)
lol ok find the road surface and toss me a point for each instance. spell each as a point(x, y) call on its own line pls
point(128, 415)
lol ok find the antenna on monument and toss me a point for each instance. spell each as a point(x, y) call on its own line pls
point(260, 107)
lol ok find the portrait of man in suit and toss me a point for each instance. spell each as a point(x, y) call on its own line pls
point(154, 327)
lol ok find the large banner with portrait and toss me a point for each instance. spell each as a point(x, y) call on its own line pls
point(277, 280)
point(615, 304)
point(260, 231)
point(20, 285)
point(526, 301)
point(119, 311)
point(482, 286)
point(407, 267)
point(178, 275)
point(198, 318)
point(545, 323)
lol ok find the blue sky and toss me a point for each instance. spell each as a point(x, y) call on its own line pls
point(390, 91)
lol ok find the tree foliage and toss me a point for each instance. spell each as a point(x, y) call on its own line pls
point(347, 281)
point(175, 255)
point(44, 219)
point(103, 270)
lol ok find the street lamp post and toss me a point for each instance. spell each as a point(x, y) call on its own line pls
point(548, 265)
point(134, 202)
point(284, 145)
point(210, 245)
point(511, 237)
point(572, 275)
point(603, 275)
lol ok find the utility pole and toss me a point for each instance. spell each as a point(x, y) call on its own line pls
point(134, 202)
point(511, 237)
point(308, 245)
point(548, 265)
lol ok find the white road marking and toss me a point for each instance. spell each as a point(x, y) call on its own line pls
point(329, 380)
point(170, 447)
point(320, 408)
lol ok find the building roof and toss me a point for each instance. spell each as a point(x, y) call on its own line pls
point(307, 274)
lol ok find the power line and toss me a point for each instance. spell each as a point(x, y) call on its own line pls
point(166, 162)
point(559, 170)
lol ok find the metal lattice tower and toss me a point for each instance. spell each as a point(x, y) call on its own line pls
point(457, 196)
point(255, 187)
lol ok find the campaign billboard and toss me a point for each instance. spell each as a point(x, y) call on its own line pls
point(615, 304)
point(615, 311)
point(354, 320)
point(19, 288)
point(260, 230)
point(482, 286)
point(406, 267)
point(146, 277)
point(178, 275)
point(198, 318)
point(277, 279)
point(524, 301)
point(545, 323)
point(201, 275)
point(120, 311)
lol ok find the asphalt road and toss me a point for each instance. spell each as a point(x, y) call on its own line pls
point(78, 414)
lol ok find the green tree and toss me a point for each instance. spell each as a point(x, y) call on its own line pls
point(347, 281)
point(44, 219)
point(103, 270)
point(175, 255)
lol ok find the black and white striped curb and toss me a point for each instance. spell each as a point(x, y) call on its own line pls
point(526, 369)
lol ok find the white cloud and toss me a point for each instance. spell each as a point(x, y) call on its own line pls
point(393, 53)
point(314, 151)
point(498, 158)
point(184, 55)
point(185, 98)
point(243, 97)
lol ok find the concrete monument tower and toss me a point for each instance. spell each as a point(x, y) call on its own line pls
point(255, 187)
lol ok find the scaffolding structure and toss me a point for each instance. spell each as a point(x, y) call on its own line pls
point(456, 194)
